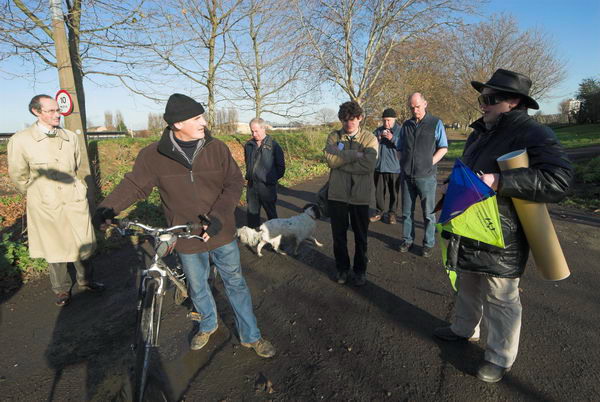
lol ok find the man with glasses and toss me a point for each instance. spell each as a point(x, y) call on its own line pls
point(43, 163)
point(488, 276)
point(423, 144)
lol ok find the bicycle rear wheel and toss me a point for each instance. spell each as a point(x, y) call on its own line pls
point(145, 337)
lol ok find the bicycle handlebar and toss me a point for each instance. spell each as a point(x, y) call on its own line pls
point(124, 227)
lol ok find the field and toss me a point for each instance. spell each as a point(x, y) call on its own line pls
point(570, 137)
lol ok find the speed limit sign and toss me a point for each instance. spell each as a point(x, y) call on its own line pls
point(65, 102)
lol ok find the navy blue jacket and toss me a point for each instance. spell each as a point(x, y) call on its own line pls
point(388, 160)
point(419, 141)
point(265, 163)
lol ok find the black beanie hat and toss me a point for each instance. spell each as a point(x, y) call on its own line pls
point(389, 112)
point(180, 108)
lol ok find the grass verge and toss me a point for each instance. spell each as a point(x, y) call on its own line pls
point(585, 192)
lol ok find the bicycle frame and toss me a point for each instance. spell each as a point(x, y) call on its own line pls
point(151, 292)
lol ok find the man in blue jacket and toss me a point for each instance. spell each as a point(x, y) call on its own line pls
point(387, 170)
point(265, 165)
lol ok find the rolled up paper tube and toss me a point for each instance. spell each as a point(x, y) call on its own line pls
point(537, 225)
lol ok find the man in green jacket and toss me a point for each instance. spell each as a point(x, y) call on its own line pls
point(351, 154)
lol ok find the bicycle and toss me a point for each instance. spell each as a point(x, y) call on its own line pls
point(153, 287)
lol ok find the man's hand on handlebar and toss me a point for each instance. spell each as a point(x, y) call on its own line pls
point(106, 224)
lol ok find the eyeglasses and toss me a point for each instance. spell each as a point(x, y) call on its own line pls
point(490, 99)
point(52, 111)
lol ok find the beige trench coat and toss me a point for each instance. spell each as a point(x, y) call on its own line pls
point(58, 217)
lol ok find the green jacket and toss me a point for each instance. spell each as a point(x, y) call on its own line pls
point(351, 176)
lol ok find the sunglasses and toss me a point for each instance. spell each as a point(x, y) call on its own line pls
point(490, 99)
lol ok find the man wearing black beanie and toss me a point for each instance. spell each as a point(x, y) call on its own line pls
point(387, 169)
point(195, 175)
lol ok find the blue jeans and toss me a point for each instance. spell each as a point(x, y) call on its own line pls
point(424, 188)
point(227, 260)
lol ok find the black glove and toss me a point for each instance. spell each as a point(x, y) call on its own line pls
point(215, 226)
point(101, 215)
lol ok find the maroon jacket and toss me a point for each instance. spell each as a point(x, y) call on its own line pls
point(211, 185)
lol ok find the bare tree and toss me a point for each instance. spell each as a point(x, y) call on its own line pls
point(476, 51)
point(420, 65)
point(353, 39)
point(26, 34)
point(564, 107)
point(326, 115)
point(120, 121)
point(109, 122)
point(225, 121)
point(442, 66)
point(155, 123)
point(190, 44)
point(269, 61)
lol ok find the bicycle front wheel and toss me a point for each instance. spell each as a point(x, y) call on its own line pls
point(145, 338)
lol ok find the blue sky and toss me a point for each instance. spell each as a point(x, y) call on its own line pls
point(575, 29)
point(573, 25)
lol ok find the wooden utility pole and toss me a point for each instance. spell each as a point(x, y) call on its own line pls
point(66, 79)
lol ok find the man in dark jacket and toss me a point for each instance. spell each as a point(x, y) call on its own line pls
point(195, 175)
point(423, 144)
point(265, 165)
point(387, 170)
point(488, 276)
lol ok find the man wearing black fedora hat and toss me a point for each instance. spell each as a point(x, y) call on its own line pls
point(195, 175)
point(488, 276)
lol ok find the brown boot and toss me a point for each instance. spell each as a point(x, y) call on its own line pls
point(392, 218)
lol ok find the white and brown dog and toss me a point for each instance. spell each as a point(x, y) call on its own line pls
point(300, 227)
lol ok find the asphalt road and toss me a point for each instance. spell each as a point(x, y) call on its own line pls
point(334, 342)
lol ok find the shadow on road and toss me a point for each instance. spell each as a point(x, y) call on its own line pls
point(11, 279)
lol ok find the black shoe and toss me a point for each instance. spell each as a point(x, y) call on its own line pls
point(490, 372)
point(446, 334)
point(342, 277)
point(360, 280)
point(427, 252)
point(405, 246)
point(62, 299)
point(94, 287)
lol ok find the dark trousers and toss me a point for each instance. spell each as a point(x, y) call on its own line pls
point(357, 216)
point(387, 183)
point(259, 195)
point(60, 278)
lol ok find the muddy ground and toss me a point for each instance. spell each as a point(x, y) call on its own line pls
point(334, 342)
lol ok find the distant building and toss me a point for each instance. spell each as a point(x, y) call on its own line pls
point(99, 129)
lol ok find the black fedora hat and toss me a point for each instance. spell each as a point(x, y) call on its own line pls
point(510, 82)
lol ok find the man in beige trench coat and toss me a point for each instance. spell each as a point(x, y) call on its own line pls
point(43, 161)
